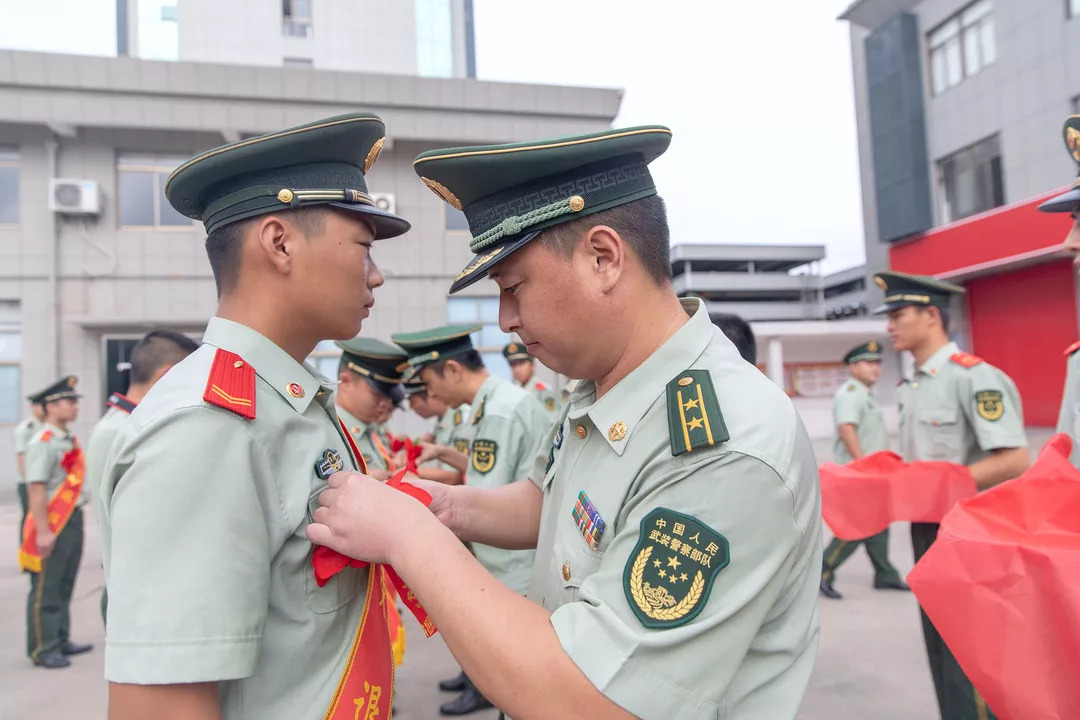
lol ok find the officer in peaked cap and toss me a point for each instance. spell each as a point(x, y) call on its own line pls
point(860, 430)
point(243, 434)
point(1069, 202)
point(370, 375)
point(523, 368)
point(958, 408)
point(678, 539)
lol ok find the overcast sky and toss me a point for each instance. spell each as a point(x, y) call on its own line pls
point(758, 95)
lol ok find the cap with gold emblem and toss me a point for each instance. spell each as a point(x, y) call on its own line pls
point(321, 163)
point(510, 193)
point(867, 351)
point(428, 346)
point(902, 289)
point(516, 352)
point(378, 362)
point(1070, 199)
point(65, 387)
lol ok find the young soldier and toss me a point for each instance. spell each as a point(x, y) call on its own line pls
point(214, 611)
point(523, 368)
point(53, 531)
point(1069, 202)
point(860, 430)
point(451, 422)
point(26, 430)
point(368, 378)
point(508, 425)
point(675, 512)
point(957, 408)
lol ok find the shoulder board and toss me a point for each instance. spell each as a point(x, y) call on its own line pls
point(45, 436)
point(479, 412)
point(541, 386)
point(1072, 348)
point(231, 384)
point(851, 387)
point(964, 359)
point(457, 418)
point(121, 403)
point(694, 417)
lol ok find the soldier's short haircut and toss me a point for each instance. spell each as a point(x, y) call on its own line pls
point(470, 360)
point(224, 243)
point(739, 333)
point(642, 224)
point(158, 349)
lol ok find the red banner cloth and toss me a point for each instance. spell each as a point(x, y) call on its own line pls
point(1002, 585)
point(867, 495)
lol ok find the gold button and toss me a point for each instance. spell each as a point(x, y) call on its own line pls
point(914, 384)
point(683, 382)
point(581, 431)
point(238, 364)
point(565, 572)
point(617, 431)
point(285, 195)
point(577, 203)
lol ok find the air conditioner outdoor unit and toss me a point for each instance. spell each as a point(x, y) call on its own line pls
point(74, 197)
point(385, 201)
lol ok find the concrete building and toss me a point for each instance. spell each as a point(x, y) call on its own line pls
point(429, 38)
point(959, 111)
point(90, 263)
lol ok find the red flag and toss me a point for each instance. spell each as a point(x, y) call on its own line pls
point(865, 496)
point(1002, 585)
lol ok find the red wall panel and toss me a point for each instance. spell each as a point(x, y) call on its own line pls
point(1022, 321)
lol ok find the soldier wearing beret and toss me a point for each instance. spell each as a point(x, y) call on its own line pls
point(1069, 202)
point(958, 408)
point(523, 368)
point(675, 509)
point(860, 430)
point(369, 387)
point(214, 609)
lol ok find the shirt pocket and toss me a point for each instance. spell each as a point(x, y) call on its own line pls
point(340, 589)
point(941, 434)
point(575, 562)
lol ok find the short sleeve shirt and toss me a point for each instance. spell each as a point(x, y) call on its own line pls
point(23, 433)
point(958, 414)
point(549, 399)
point(1069, 416)
point(855, 404)
point(97, 450)
point(508, 424)
point(748, 649)
point(203, 537)
point(43, 457)
point(368, 440)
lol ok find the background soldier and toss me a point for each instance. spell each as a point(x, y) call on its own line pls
point(25, 431)
point(860, 430)
point(53, 533)
point(369, 382)
point(957, 408)
point(450, 421)
point(739, 332)
point(523, 368)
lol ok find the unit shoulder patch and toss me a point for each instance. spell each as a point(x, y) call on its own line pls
point(694, 417)
point(483, 455)
point(670, 572)
point(461, 445)
point(1072, 348)
point(231, 384)
point(989, 405)
point(966, 360)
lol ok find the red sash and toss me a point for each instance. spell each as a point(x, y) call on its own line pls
point(383, 451)
point(61, 506)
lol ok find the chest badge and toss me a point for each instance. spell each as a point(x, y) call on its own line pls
point(670, 572)
point(589, 523)
point(483, 455)
point(328, 464)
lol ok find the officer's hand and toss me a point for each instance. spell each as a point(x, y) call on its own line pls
point(379, 474)
point(426, 438)
point(362, 517)
point(429, 451)
point(442, 500)
point(46, 541)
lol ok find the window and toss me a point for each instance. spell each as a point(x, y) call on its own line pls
point(293, 62)
point(11, 400)
point(9, 186)
point(141, 187)
point(296, 18)
point(158, 30)
point(971, 180)
point(490, 340)
point(963, 45)
point(454, 219)
point(434, 40)
point(325, 358)
point(1072, 8)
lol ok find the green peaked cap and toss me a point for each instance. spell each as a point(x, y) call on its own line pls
point(65, 387)
point(1070, 199)
point(439, 343)
point(378, 362)
point(321, 163)
point(870, 350)
point(510, 193)
point(902, 289)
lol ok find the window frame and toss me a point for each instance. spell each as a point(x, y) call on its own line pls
point(972, 158)
point(14, 328)
point(14, 161)
point(1072, 9)
point(964, 31)
point(157, 168)
point(291, 23)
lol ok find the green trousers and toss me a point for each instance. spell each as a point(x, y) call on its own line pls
point(24, 503)
point(48, 616)
point(957, 697)
point(877, 547)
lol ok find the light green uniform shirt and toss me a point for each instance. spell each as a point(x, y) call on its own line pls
point(855, 404)
point(362, 434)
point(1069, 416)
point(23, 433)
point(97, 450)
point(548, 397)
point(958, 414)
point(750, 651)
point(509, 426)
point(207, 564)
point(43, 456)
point(454, 430)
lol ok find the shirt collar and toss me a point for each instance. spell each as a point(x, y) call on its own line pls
point(61, 434)
point(938, 359)
point(270, 362)
point(482, 394)
point(355, 424)
point(632, 396)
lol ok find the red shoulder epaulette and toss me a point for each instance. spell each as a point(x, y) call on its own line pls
point(231, 384)
point(540, 386)
point(45, 436)
point(1072, 348)
point(964, 359)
